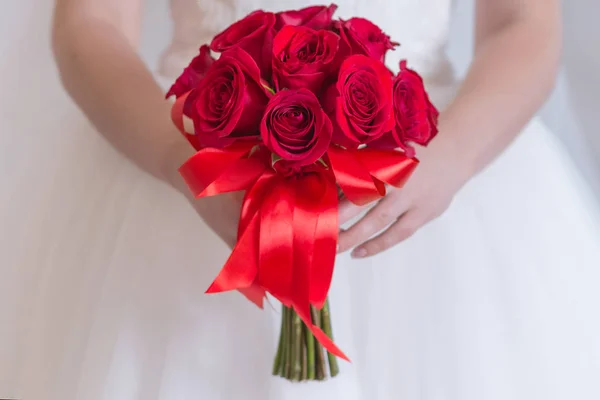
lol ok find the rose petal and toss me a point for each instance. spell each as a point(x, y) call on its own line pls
point(315, 17)
point(302, 142)
point(303, 57)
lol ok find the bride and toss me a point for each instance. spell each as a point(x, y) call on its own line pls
point(476, 281)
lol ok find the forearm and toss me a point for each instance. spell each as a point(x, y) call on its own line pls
point(512, 74)
point(112, 86)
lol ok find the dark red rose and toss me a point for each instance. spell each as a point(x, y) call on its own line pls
point(415, 116)
point(229, 102)
point(254, 34)
point(361, 36)
point(192, 74)
point(361, 102)
point(303, 57)
point(296, 128)
point(315, 17)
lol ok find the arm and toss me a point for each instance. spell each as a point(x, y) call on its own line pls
point(517, 51)
point(94, 45)
point(517, 55)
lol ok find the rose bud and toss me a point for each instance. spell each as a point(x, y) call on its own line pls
point(296, 128)
point(229, 102)
point(315, 17)
point(361, 36)
point(361, 102)
point(303, 57)
point(254, 34)
point(192, 74)
point(415, 116)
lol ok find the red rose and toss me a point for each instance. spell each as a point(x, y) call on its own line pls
point(192, 74)
point(229, 102)
point(361, 101)
point(296, 128)
point(303, 57)
point(415, 117)
point(361, 36)
point(254, 34)
point(315, 17)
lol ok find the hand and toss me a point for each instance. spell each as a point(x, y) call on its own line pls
point(221, 213)
point(402, 212)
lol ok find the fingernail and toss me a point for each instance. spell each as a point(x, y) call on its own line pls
point(359, 253)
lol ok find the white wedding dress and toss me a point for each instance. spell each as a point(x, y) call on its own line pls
point(103, 269)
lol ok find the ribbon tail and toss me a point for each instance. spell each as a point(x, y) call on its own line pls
point(316, 232)
point(304, 314)
point(309, 205)
point(246, 251)
point(276, 244)
point(255, 294)
point(325, 249)
point(241, 268)
point(353, 178)
point(327, 343)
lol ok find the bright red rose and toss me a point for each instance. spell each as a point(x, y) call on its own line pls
point(303, 57)
point(361, 36)
point(229, 102)
point(254, 34)
point(192, 74)
point(361, 102)
point(296, 128)
point(315, 17)
point(415, 116)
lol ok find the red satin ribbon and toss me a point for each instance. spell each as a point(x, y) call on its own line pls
point(177, 117)
point(362, 174)
point(288, 227)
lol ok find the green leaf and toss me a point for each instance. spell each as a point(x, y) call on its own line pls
point(322, 162)
point(274, 159)
point(269, 89)
point(253, 150)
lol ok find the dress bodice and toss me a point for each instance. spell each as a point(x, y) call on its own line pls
point(421, 27)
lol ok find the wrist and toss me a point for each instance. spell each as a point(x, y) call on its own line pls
point(451, 146)
point(175, 155)
point(451, 159)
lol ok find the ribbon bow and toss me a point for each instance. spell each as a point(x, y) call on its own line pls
point(288, 229)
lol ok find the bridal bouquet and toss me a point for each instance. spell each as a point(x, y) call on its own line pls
point(297, 110)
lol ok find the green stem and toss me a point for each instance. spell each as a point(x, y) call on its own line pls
point(278, 364)
point(321, 372)
point(310, 350)
point(304, 355)
point(326, 326)
point(286, 342)
point(296, 347)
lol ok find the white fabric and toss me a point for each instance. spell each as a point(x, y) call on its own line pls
point(103, 269)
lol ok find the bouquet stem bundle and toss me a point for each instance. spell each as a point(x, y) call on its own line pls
point(300, 357)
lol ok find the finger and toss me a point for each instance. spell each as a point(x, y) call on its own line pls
point(348, 210)
point(372, 222)
point(401, 230)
